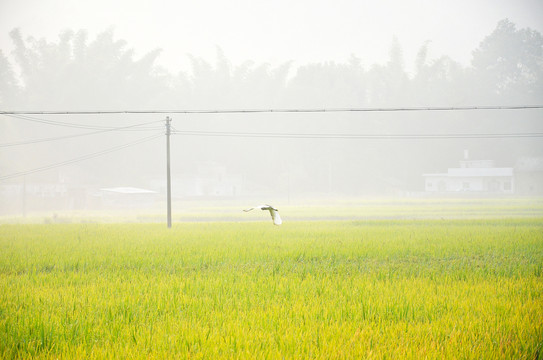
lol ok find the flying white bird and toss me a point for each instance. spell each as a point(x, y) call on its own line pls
point(273, 212)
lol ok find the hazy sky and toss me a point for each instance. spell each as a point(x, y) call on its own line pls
point(275, 31)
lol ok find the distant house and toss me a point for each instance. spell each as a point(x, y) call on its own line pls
point(473, 176)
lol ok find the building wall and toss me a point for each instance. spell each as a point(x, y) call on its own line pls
point(437, 183)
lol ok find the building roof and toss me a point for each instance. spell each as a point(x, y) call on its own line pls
point(475, 172)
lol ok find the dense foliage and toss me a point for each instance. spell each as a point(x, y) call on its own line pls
point(507, 66)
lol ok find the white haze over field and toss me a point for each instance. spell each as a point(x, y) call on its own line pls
point(252, 54)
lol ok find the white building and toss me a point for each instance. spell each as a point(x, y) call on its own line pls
point(475, 176)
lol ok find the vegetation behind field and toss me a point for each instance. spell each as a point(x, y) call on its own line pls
point(303, 209)
point(334, 289)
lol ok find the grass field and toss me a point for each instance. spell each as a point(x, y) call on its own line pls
point(458, 288)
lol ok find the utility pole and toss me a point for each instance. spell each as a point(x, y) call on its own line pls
point(168, 174)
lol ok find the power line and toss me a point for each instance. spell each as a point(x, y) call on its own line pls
point(81, 158)
point(252, 111)
point(83, 126)
point(35, 141)
point(360, 136)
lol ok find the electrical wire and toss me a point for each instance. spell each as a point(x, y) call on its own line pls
point(308, 110)
point(80, 158)
point(35, 141)
point(360, 136)
point(23, 115)
point(83, 126)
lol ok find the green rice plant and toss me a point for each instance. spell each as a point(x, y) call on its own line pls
point(317, 290)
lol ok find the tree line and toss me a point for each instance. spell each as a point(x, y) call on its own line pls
point(103, 73)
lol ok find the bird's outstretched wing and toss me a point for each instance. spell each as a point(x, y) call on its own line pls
point(275, 217)
point(261, 207)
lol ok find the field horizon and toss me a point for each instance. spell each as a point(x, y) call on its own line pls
point(317, 209)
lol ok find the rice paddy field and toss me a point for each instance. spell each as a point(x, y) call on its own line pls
point(366, 287)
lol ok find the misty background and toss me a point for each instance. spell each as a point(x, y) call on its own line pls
point(266, 156)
